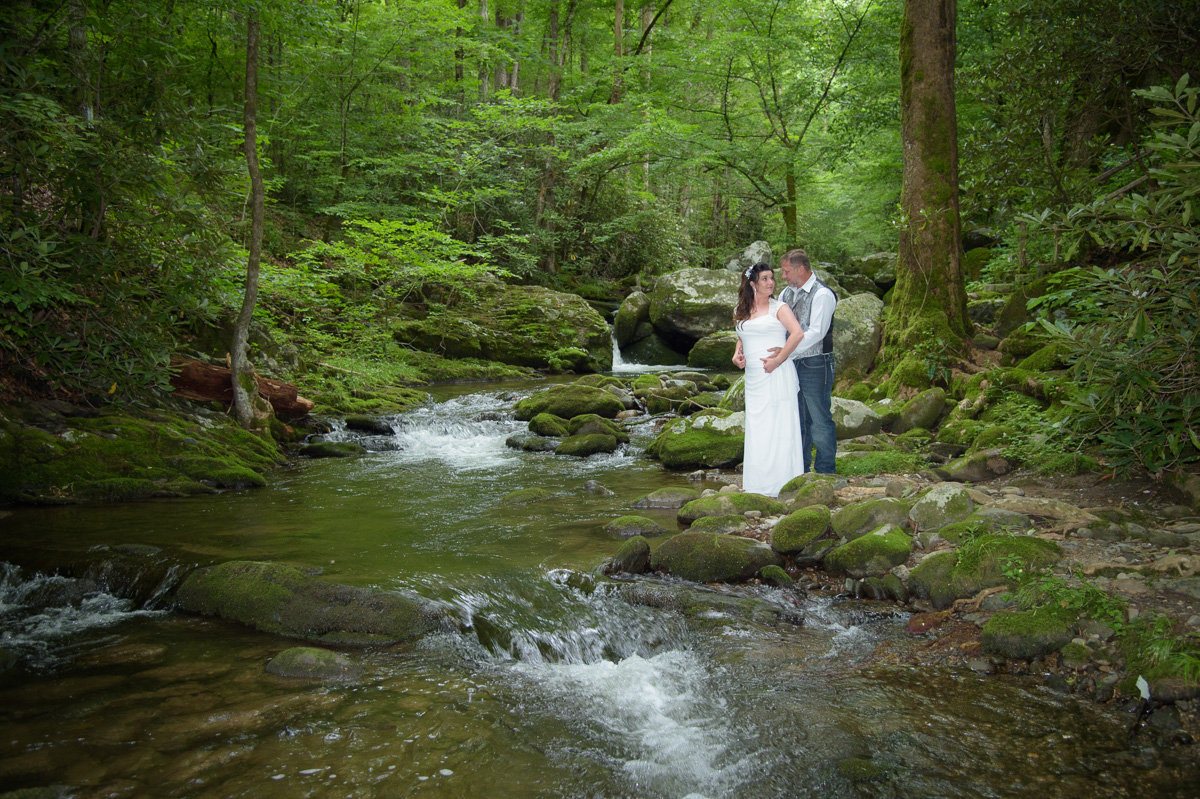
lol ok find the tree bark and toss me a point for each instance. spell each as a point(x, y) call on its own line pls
point(204, 382)
point(618, 52)
point(928, 315)
point(251, 411)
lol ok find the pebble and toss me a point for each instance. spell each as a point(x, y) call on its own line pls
point(981, 666)
point(1193, 621)
point(1013, 490)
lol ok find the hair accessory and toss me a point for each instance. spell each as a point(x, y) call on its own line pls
point(749, 269)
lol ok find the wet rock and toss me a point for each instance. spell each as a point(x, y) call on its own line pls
point(547, 424)
point(714, 351)
point(1028, 633)
point(1046, 508)
point(861, 518)
point(721, 525)
point(976, 467)
point(709, 439)
point(1174, 689)
point(597, 489)
point(591, 424)
point(798, 529)
point(278, 598)
point(704, 558)
point(581, 446)
point(332, 449)
point(726, 504)
point(525, 496)
point(634, 310)
point(930, 580)
point(632, 558)
point(631, 526)
point(873, 554)
point(569, 401)
point(895, 587)
point(312, 663)
point(942, 505)
point(372, 425)
point(981, 666)
point(776, 576)
point(668, 497)
point(859, 769)
point(922, 411)
point(922, 623)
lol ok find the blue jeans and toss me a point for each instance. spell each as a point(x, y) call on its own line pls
point(815, 374)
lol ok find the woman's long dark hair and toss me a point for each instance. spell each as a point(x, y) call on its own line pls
point(745, 301)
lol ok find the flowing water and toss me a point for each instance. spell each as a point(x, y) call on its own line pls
point(551, 683)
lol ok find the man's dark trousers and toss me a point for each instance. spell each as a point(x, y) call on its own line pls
point(815, 374)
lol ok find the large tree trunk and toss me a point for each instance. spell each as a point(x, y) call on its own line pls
point(927, 321)
point(253, 413)
point(204, 382)
point(618, 52)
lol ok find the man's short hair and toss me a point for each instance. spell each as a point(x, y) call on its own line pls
point(797, 257)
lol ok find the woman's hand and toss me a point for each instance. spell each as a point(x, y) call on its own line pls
point(771, 363)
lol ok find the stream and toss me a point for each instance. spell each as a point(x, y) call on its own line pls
point(550, 684)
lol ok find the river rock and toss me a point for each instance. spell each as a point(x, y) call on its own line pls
point(710, 439)
point(631, 526)
point(874, 554)
point(981, 564)
point(689, 304)
point(714, 351)
point(313, 663)
point(372, 425)
point(943, 504)
point(976, 467)
point(857, 334)
point(921, 411)
point(729, 503)
point(732, 524)
point(1028, 633)
point(632, 558)
point(667, 498)
point(653, 350)
point(863, 517)
point(332, 449)
point(634, 310)
point(708, 558)
point(590, 424)
point(853, 419)
point(569, 401)
point(547, 424)
point(796, 530)
point(930, 580)
point(1045, 508)
point(282, 599)
point(811, 492)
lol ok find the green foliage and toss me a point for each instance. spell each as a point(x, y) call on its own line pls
point(890, 462)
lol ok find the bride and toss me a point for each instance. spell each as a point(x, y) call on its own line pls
point(773, 451)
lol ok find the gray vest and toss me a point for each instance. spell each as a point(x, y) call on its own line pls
point(801, 305)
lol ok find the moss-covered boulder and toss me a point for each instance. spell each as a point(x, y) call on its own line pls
point(811, 492)
point(653, 350)
point(729, 503)
point(863, 517)
point(631, 526)
point(722, 525)
point(798, 529)
point(313, 663)
point(853, 418)
point(521, 325)
point(710, 439)
point(776, 576)
point(584, 445)
point(943, 504)
point(673, 497)
point(591, 424)
point(634, 310)
point(547, 424)
point(632, 558)
point(689, 304)
point(857, 334)
point(709, 558)
point(873, 554)
point(332, 449)
point(976, 467)
point(669, 399)
point(371, 425)
point(921, 411)
point(526, 496)
point(1046, 359)
point(282, 599)
point(569, 401)
point(714, 351)
point(1015, 312)
point(53, 453)
point(981, 562)
point(1028, 633)
point(930, 580)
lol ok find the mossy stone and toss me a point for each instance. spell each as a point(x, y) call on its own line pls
point(634, 310)
point(1048, 358)
point(994, 436)
point(547, 424)
point(632, 558)
point(710, 439)
point(371, 425)
point(282, 599)
point(729, 503)
point(874, 554)
point(799, 528)
point(1028, 633)
point(707, 558)
point(863, 517)
point(776, 576)
point(722, 525)
point(1074, 656)
point(667, 498)
point(943, 504)
point(859, 769)
point(665, 400)
point(631, 526)
point(591, 424)
point(714, 351)
point(313, 663)
point(981, 562)
point(930, 580)
point(921, 411)
point(333, 449)
point(895, 587)
point(581, 446)
point(644, 383)
point(526, 496)
point(569, 401)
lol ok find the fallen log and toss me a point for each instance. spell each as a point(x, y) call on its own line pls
point(204, 382)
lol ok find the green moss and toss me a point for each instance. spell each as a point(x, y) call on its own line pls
point(776, 576)
point(724, 525)
point(880, 463)
point(703, 557)
point(1028, 633)
point(993, 437)
point(974, 261)
point(630, 526)
point(960, 432)
point(332, 449)
point(982, 560)
point(931, 579)
point(1075, 656)
point(872, 554)
point(547, 424)
point(524, 496)
point(1050, 357)
point(1066, 464)
point(727, 504)
point(798, 529)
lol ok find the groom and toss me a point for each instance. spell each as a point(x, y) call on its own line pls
point(813, 303)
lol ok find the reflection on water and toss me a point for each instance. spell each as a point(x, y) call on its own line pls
point(554, 684)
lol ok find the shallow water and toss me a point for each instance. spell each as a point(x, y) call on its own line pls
point(552, 683)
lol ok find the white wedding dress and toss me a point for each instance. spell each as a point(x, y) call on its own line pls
point(773, 449)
